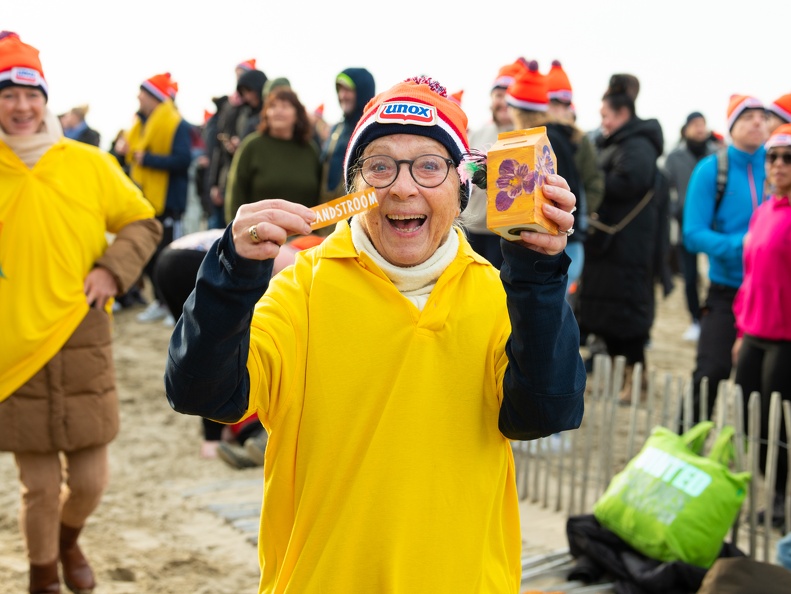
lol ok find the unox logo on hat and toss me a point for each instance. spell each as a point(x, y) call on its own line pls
point(407, 112)
point(25, 76)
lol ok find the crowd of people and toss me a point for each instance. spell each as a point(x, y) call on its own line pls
point(317, 349)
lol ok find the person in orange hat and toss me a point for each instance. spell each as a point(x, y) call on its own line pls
point(715, 226)
point(483, 241)
point(762, 307)
point(778, 112)
point(158, 152)
point(591, 177)
point(392, 326)
point(528, 104)
point(59, 200)
point(320, 125)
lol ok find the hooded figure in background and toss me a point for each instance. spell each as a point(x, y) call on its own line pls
point(355, 88)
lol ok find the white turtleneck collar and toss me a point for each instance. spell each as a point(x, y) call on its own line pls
point(414, 282)
point(31, 147)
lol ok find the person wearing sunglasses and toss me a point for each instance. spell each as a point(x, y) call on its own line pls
point(762, 307)
point(391, 365)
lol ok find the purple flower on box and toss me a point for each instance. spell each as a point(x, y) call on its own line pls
point(545, 166)
point(514, 179)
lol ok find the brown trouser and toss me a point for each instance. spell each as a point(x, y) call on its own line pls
point(58, 488)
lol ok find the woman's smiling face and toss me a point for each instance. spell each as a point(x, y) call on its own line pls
point(411, 221)
point(22, 110)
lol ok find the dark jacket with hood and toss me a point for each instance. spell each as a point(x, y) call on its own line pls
point(255, 80)
point(231, 121)
point(617, 293)
point(334, 150)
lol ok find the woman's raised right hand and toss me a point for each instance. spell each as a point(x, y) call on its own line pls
point(260, 228)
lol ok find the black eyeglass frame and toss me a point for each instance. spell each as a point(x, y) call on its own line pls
point(410, 162)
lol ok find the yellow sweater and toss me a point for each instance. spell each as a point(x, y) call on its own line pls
point(54, 219)
point(385, 470)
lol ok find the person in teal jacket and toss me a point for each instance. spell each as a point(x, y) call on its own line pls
point(718, 230)
point(391, 366)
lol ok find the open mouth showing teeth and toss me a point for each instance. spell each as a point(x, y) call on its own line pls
point(408, 223)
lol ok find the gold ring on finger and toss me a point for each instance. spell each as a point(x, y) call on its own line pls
point(254, 234)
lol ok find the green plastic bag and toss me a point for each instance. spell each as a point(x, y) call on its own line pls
point(672, 504)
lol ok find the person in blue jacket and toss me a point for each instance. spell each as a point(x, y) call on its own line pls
point(717, 230)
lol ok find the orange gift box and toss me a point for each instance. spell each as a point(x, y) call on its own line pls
point(517, 166)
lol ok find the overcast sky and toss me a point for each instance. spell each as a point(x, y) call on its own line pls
point(689, 55)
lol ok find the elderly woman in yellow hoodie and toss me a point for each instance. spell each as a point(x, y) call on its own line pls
point(391, 366)
point(59, 200)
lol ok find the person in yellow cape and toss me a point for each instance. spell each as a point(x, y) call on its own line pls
point(158, 152)
point(59, 200)
point(391, 366)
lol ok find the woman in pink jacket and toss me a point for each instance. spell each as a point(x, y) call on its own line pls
point(763, 303)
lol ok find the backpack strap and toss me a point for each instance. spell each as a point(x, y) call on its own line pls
point(722, 176)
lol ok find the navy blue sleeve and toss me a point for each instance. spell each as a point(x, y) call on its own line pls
point(180, 155)
point(206, 372)
point(544, 384)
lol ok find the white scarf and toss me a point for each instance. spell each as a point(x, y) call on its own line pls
point(31, 147)
point(415, 282)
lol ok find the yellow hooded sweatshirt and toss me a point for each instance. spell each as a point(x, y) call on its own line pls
point(374, 481)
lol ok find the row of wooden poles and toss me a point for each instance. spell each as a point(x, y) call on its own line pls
point(570, 470)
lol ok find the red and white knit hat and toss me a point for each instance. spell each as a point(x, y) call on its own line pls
point(558, 83)
point(161, 86)
point(419, 106)
point(506, 76)
point(247, 64)
point(529, 91)
point(780, 137)
point(19, 64)
point(738, 104)
point(782, 108)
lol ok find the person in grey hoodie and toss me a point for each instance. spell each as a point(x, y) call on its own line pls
point(696, 142)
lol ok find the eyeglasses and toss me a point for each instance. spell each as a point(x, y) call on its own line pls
point(429, 171)
point(785, 157)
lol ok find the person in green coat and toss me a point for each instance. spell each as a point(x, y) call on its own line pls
point(279, 160)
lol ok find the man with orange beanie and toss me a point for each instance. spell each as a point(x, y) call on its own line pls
point(779, 112)
point(481, 239)
point(158, 150)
